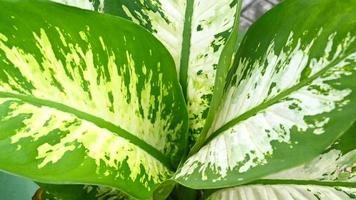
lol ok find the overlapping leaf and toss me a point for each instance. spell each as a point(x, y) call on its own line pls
point(195, 33)
point(285, 192)
point(330, 176)
point(291, 92)
point(79, 192)
point(335, 165)
point(86, 98)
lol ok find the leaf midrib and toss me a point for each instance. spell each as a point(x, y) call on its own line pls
point(186, 44)
point(95, 120)
point(268, 103)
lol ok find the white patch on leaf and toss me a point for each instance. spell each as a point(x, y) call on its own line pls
point(168, 28)
point(84, 4)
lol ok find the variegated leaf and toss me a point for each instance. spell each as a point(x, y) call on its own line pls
point(290, 86)
point(87, 98)
point(330, 176)
point(195, 33)
point(337, 164)
point(285, 192)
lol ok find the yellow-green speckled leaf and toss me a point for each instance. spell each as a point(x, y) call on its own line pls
point(87, 98)
point(195, 32)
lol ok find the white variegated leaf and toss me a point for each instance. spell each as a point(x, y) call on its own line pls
point(336, 164)
point(195, 33)
point(329, 176)
point(285, 192)
point(330, 166)
point(293, 86)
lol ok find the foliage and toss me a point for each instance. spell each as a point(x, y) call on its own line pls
point(159, 99)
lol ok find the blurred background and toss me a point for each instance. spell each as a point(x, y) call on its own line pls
point(253, 9)
point(16, 188)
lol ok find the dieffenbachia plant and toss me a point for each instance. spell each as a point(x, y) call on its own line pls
point(195, 32)
point(139, 107)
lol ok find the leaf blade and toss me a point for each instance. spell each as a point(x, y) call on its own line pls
point(278, 86)
point(328, 176)
point(80, 107)
point(287, 192)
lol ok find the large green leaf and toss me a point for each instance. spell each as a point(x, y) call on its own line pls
point(195, 33)
point(87, 98)
point(290, 94)
point(330, 176)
